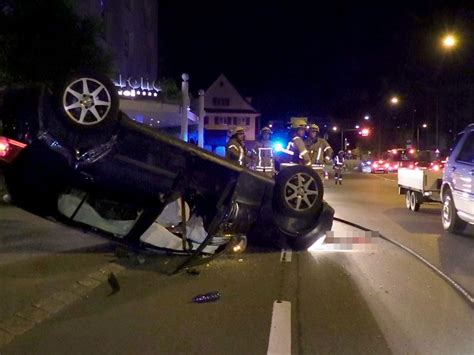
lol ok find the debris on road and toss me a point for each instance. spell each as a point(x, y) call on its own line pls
point(194, 272)
point(207, 297)
point(113, 282)
point(140, 259)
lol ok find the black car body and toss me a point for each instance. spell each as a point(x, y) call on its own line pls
point(48, 150)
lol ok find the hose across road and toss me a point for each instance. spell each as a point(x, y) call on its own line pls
point(461, 290)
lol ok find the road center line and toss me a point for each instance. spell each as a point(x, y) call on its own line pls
point(280, 332)
point(285, 256)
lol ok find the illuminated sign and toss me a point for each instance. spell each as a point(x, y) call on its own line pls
point(137, 86)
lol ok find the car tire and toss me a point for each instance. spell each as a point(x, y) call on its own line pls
point(414, 202)
point(88, 101)
point(298, 192)
point(449, 216)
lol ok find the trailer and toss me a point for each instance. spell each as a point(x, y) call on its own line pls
point(419, 186)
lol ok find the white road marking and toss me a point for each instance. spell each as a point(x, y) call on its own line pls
point(280, 332)
point(285, 256)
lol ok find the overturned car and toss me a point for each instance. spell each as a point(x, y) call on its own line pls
point(70, 153)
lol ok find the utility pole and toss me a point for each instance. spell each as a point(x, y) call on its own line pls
point(184, 112)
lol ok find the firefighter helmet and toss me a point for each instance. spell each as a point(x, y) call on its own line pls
point(298, 123)
point(314, 128)
point(236, 130)
point(265, 130)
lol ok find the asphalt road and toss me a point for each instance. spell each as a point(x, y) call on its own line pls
point(368, 297)
point(373, 201)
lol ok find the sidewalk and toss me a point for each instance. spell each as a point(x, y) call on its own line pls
point(40, 259)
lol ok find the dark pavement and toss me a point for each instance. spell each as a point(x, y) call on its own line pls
point(377, 299)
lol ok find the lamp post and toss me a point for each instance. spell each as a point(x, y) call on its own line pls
point(449, 42)
point(424, 125)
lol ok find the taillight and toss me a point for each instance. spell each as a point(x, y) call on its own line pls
point(376, 165)
point(435, 167)
point(386, 165)
point(4, 147)
point(9, 149)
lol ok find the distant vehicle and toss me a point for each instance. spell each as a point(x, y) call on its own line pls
point(380, 166)
point(401, 157)
point(74, 144)
point(429, 159)
point(457, 190)
point(366, 166)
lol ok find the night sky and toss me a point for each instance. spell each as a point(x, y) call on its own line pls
point(326, 58)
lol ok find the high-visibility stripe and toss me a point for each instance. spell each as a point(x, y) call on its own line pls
point(319, 154)
point(233, 146)
point(327, 148)
point(303, 153)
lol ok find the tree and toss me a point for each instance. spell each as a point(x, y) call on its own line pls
point(44, 41)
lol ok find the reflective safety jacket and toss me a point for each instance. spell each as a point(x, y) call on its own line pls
point(319, 151)
point(338, 162)
point(236, 152)
point(300, 153)
point(262, 156)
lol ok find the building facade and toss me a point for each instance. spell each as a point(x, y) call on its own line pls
point(225, 108)
point(130, 34)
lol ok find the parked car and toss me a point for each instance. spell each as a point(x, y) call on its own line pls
point(75, 142)
point(457, 190)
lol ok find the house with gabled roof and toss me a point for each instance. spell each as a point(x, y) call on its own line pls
point(225, 108)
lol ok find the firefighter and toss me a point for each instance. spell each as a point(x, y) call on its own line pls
point(296, 144)
point(262, 153)
point(338, 166)
point(235, 150)
point(319, 149)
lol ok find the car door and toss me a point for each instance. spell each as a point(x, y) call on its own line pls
point(463, 175)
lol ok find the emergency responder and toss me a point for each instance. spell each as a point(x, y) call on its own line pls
point(319, 149)
point(338, 166)
point(262, 153)
point(236, 150)
point(296, 144)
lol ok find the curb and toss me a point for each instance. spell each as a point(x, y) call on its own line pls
point(43, 309)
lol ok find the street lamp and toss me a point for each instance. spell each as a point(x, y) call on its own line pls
point(334, 129)
point(366, 117)
point(449, 41)
point(394, 100)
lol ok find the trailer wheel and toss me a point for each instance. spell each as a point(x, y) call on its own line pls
point(408, 199)
point(414, 202)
